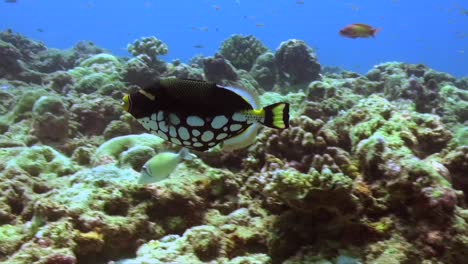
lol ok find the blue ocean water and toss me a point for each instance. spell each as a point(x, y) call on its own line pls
point(434, 33)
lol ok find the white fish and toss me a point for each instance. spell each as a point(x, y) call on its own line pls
point(162, 165)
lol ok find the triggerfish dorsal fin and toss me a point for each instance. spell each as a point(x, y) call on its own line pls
point(276, 115)
point(250, 96)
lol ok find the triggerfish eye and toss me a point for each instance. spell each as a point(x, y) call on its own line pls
point(126, 103)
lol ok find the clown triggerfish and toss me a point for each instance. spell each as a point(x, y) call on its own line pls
point(199, 115)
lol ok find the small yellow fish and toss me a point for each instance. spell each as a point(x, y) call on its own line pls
point(162, 165)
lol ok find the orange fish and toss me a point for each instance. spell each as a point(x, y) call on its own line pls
point(359, 31)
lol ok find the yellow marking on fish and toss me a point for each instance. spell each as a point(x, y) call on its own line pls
point(257, 112)
point(126, 102)
point(278, 116)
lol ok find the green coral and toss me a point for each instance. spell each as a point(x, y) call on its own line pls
point(40, 159)
point(60, 233)
point(11, 238)
point(90, 189)
point(392, 251)
point(25, 104)
point(136, 156)
point(98, 81)
point(101, 59)
point(326, 98)
point(455, 103)
point(205, 241)
point(117, 128)
point(242, 51)
point(113, 148)
point(101, 72)
point(461, 136)
point(313, 191)
point(50, 118)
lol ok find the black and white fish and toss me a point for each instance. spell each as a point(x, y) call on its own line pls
point(200, 115)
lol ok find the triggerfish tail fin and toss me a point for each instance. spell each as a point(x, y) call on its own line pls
point(276, 115)
point(185, 154)
point(375, 31)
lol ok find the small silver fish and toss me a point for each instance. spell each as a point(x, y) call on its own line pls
point(162, 165)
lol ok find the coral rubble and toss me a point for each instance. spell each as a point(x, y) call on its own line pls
point(373, 168)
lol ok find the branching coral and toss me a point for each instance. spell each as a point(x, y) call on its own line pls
point(150, 46)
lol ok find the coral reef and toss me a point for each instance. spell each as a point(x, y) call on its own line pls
point(264, 70)
point(217, 69)
point(149, 46)
point(50, 119)
point(145, 66)
point(430, 91)
point(242, 51)
point(297, 63)
point(373, 168)
point(27, 60)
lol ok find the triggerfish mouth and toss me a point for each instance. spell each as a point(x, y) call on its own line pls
point(199, 115)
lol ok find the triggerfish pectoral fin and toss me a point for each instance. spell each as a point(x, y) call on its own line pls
point(244, 139)
point(276, 115)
